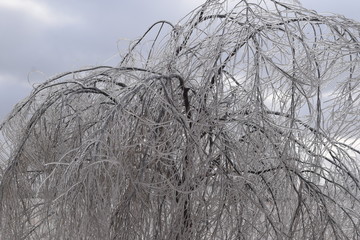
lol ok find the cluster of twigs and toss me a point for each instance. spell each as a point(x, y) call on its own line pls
point(240, 122)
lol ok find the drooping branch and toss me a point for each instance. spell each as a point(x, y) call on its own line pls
point(239, 122)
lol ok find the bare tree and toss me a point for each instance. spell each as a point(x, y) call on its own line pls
point(240, 122)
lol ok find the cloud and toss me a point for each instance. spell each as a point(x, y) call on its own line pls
point(38, 11)
point(12, 90)
point(11, 80)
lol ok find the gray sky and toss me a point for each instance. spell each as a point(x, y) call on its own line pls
point(40, 38)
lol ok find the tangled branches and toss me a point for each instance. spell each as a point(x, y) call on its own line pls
point(240, 122)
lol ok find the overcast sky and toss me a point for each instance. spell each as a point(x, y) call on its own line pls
point(40, 38)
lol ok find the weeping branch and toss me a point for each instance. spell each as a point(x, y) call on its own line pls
point(239, 122)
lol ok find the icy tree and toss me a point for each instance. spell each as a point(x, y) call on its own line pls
point(239, 122)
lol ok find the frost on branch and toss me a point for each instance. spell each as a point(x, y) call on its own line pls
point(240, 122)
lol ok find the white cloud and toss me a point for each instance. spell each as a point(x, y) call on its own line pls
point(38, 11)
